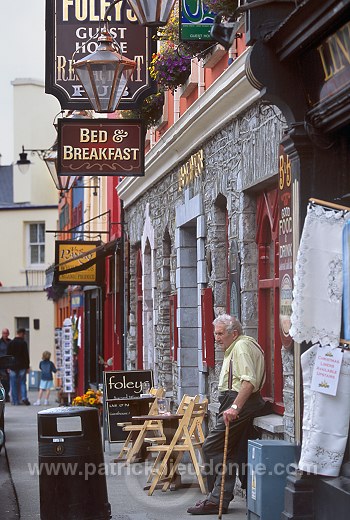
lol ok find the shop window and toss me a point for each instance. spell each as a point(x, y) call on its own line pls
point(268, 296)
point(64, 216)
point(36, 243)
point(174, 339)
point(208, 344)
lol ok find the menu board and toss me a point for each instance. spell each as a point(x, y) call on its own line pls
point(119, 388)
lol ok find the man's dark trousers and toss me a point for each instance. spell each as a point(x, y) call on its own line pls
point(213, 447)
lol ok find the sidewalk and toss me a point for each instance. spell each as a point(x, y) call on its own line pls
point(125, 484)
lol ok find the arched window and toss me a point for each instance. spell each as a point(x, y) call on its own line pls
point(268, 295)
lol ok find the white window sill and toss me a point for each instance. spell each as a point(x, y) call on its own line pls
point(271, 423)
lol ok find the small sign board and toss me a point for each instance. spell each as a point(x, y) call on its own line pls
point(195, 21)
point(119, 387)
point(325, 375)
point(121, 383)
point(76, 262)
point(101, 147)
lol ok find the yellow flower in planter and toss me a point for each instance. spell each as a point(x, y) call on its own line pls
point(92, 398)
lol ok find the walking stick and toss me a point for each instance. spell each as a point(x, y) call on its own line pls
point(223, 470)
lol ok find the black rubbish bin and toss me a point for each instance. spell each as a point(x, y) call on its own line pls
point(72, 479)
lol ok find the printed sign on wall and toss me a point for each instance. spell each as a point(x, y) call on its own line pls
point(285, 235)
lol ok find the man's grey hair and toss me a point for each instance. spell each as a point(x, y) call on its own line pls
point(230, 322)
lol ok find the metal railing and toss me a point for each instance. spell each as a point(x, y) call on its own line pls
point(35, 277)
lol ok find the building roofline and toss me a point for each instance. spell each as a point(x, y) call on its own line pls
point(18, 207)
point(28, 81)
point(226, 98)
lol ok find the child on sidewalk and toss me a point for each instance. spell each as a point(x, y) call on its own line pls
point(47, 369)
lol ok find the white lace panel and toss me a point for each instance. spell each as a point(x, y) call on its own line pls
point(317, 293)
point(325, 420)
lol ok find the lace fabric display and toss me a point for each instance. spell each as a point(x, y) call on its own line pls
point(325, 420)
point(346, 280)
point(318, 281)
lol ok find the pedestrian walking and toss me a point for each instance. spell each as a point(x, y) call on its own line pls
point(241, 378)
point(18, 348)
point(47, 368)
point(4, 375)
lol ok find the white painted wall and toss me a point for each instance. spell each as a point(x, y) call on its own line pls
point(33, 115)
point(33, 305)
point(22, 55)
point(26, 118)
point(16, 298)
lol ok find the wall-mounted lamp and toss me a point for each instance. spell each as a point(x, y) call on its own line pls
point(23, 162)
point(62, 182)
point(224, 31)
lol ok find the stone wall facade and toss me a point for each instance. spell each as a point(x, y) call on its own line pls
point(190, 248)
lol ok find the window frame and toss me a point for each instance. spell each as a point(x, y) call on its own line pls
point(173, 330)
point(30, 244)
point(268, 283)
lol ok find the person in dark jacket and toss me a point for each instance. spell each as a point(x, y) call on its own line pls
point(18, 348)
point(4, 376)
point(46, 383)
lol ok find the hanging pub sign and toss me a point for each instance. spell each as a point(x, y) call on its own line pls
point(70, 28)
point(195, 21)
point(285, 235)
point(101, 147)
point(76, 263)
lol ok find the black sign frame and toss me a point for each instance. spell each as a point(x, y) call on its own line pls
point(125, 379)
point(116, 400)
point(53, 45)
point(92, 245)
point(106, 167)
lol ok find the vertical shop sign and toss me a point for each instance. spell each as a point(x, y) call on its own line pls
point(71, 27)
point(285, 232)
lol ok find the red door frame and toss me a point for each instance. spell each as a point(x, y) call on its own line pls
point(266, 238)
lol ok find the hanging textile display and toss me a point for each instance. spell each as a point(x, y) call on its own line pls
point(346, 280)
point(317, 294)
point(325, 419)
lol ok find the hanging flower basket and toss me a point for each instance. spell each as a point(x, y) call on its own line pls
point(170, 69)
point(226, 7)
point(150, 111)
